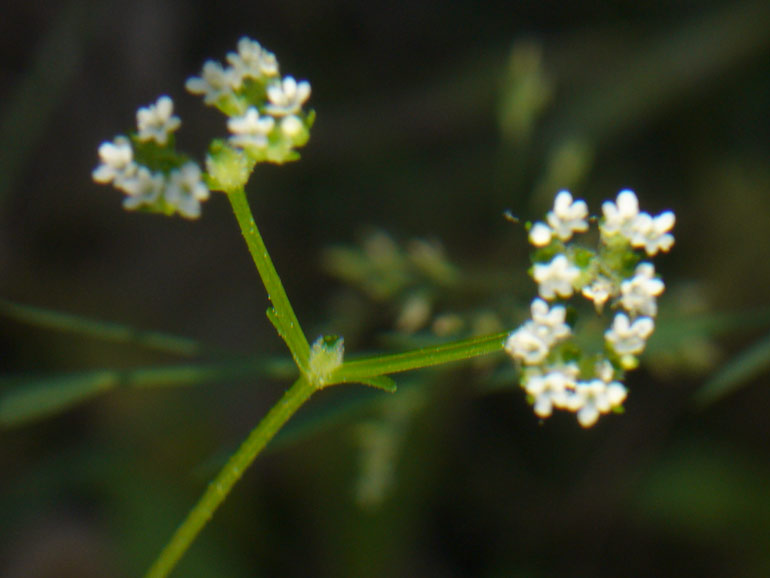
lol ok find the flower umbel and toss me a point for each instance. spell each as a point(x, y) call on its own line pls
point(266, 121)
point(267, 118)
point(556, 372)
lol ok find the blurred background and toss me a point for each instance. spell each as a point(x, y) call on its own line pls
point(433, 119)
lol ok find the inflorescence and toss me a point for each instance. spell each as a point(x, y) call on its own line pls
point(266, 121)
point(556, 370)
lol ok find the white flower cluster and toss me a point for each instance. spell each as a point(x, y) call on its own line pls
point(175, 188)
point(622, 219)
point(266, 119)
point(556, 373)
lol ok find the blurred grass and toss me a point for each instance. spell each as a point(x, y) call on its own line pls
point(103, 330)
point(739, 371)
point(26, 114)
point(27, 399)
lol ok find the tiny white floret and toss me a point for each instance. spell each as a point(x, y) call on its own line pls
point(605, 371)
point(619, 217)
point(549, 323)
point(652, 233)
point(639, 292)
point(287, 96)
point(157, 121)
point(540, 234)
point(117, 159)
point(599, 291)
point(250, 130)
point(213, 83)
point(552, 389)
point(568, 216)
point(144, 188)
point(251, 61)
point(628, 338)
point(291, 126)
point(556, 277)
point(597, 397)
point(185, 190)
point(526, 346)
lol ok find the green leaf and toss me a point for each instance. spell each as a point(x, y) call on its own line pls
point(736, 373)
point(29, 108)
point(105, 331)
point(28, 399)
point(52, 395)
point(672, 330)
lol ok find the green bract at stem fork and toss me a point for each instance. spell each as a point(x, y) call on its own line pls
point(319, 366)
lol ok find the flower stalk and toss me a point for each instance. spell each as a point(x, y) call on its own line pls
point(281, 313)
point(220, 487)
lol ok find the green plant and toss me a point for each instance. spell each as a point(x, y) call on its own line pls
point(268, 122)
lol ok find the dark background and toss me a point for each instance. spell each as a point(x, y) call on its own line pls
point(433, 118)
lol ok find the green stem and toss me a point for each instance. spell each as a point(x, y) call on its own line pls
point(282, 314)
point(217, 491)
point(353, 371)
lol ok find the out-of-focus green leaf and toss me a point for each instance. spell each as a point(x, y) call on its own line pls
point(103, 330)
point(665, 71)
point(29, 108)
point(736, 373)
point(27, 399)
point(671, 331)
point(143, 506)
point(704, 490)
point(51, 395)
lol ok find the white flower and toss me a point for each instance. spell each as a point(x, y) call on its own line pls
point(599, 291)
point(552, 389)
point(531, 343)
point(619, 217)
point(291, 126)
point(653, 233)
point(540, 234)
point(251, 61)
point(213, 83)
point(556, 277)
point(144, 188)
point(596, 397)
point(250, 130)
point(567, 216)
point(287, 96)
point(117, 161)
point(639, 292)
point(628, 338)
point(156, 122)
point(185, 190)
point(549, 324)
point(526, 345)
point(605, 371)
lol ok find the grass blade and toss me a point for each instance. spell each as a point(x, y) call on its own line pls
point(736, 373)
point(28, 399)
point(103, 330)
